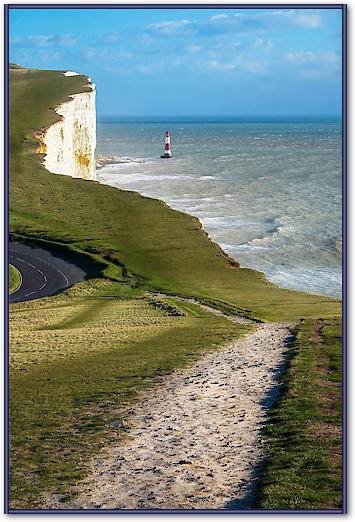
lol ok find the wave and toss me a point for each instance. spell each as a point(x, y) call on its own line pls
point(135, 177)
point(105, 161)
point(273, 204)
point(222, 221)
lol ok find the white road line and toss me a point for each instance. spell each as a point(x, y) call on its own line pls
point(45, 262)
point(35, 268)
point(22, 261)
point(26, 295)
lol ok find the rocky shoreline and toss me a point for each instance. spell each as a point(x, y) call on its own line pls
point(103, 161)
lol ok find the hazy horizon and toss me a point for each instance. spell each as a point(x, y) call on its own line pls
point(205, 118)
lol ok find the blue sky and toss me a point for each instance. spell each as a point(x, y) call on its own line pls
point(228, 62)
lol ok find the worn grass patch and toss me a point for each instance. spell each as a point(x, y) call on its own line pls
point(304, 468)
point(14, 279)
point(75, 366)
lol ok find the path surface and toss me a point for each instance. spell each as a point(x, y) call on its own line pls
point(43, 273)
point(195, 440)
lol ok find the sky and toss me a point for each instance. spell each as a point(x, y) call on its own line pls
point(191, 62)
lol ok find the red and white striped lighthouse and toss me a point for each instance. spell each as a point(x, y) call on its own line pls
point(167, 149)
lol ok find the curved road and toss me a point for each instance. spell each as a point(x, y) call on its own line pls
point(43, 273)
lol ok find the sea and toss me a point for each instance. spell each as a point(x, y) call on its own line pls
point(268, 192)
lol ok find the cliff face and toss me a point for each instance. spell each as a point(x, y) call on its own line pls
point(69, 145)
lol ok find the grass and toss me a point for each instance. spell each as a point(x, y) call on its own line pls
point(304, 468)
point(14, 279)
point(79, 359)
point(125, 234)
point(76, 365)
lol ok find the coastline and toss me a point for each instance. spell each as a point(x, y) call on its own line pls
point(103, 161)
point(116, 161)
point(105, 342)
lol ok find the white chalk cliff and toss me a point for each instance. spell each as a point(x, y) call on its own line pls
point(69, 145)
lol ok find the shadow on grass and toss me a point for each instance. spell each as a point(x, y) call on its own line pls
point(251, 496)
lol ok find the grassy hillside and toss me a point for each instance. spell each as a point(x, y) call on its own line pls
point(77, 362)
point(14, 279)
point(304, 469)
point(156, 246)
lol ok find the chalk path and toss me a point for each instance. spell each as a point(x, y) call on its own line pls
point(195, 440)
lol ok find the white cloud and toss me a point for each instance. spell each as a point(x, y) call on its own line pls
point(48, 40)
point(41, 40)
point(310, 64)
point(256, 67)
point(148, 68)
point(295, 17)
point(67, 40)
point(310, 21)
point(265, 45)
point(170, 27)
point(240, 63)
point(111, 37)
point(217, 64)
point(329, 57)
point(222, 16)
point(193, 48)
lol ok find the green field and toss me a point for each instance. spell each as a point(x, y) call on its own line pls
point(76, 363)
point(78, 359)
point(154, 245)
point(14, 279)
point(304, 468)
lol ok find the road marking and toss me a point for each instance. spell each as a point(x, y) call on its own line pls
point(26, 295)
point(22, 261)
point(46, 263)
point(34, 267)
point(40, 271)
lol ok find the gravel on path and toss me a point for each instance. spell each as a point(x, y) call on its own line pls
point(195, 441)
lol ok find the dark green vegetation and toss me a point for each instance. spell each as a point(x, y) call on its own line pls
point(76, 363)
point(138, 237)
point(77, 360)
point(14, 279)
point(304, 469)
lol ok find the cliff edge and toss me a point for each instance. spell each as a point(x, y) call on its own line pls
point(69, 144)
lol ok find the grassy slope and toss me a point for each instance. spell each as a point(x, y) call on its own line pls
point(77, 360)
point(75, 365)
point(14, 279)
point(164, 248)
point(304, 469)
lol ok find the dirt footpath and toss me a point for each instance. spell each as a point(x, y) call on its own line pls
point(194, 441)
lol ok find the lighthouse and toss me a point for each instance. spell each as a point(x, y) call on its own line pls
point(167, 150)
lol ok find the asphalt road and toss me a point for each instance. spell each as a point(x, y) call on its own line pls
point(43, 273)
